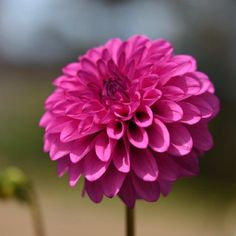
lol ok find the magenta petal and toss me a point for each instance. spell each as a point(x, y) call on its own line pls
point(187, 83)
point(112, 181)
point(151, 96)
point(143, 116)
point(103, 146)
point(93, 168)
point(159, 138)
point(121, 156)
point(150, 82)
point(149, 191)
point(191, 115)
point(205, 109)
point(74, 173)
point(94, 190)
point(58, 150)
point(168, 111)
point(70, 132)
point(62, 166)
point(173, 93)
point(81, 147)
point(165, 187)
point(144, 164)
point(202, 139)
point(115, 130)
point(137, 136)
point(127, 193)
point(213, 101)
point(181, 142)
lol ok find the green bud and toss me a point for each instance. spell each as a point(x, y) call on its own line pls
point(14, 184)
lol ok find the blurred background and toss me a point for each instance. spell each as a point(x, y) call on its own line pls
point(38, 37)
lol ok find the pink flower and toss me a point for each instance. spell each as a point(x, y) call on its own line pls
point(131, 118)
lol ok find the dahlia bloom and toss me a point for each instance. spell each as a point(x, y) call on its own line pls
point(131, 118)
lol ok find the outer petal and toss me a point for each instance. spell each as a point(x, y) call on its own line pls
point(112, 181)
point(202, 139)
point(181, 142)
point(144, 164)
point(93, 168)
point(205, 109)
point(149, 191)
point(159, 138)
point(168, 111)
point(94, 190)
point(191, 114)
point(62, 166)
point(75, 171)
point(127, 193)
point(81, 147)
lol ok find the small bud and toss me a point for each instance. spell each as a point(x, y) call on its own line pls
point(14, 184)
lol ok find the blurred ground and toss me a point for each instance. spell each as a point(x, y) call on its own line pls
point(66, 213)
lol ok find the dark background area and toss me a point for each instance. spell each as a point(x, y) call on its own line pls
point(38, 37)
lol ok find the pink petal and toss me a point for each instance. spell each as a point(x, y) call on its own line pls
point(168, 111)
point(74, 173)
point(127, 193)
point(81, 147)
point(187, 83)
point(165, 187)
point(58, 150)
point(93, 167)
point(144, 164)
point(203, 80)
point(88, 65)
point(151, 96)
point(102, 68)
point(191, 115)
point(202, 139)
point(159, 138)
point(103, 147)
point(149, 82)
point(62, 166)
point(112, 181)
point(213, 101)
point(205, 109)
point(173, 93)
point(46, 119)
point(143, 116)
point(87, 77)
point(94, 190)
point(149, 191)
point(70, 132)
point(115, 130)
point(121, 156)
point(71, 69)
point(179, 65)
point(137, 136)
point(181, 142)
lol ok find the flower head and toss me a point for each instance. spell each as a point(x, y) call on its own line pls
point(130, 117)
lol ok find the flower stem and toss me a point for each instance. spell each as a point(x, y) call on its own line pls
point(36, 213)
point(129, 221)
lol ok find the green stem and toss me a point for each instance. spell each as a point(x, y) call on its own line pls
point(130, 222)
point(36, 213)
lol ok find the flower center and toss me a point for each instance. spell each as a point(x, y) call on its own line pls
point(115, 89)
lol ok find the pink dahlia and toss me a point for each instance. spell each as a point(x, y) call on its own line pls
point(131, 118)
